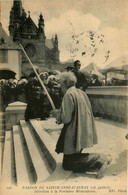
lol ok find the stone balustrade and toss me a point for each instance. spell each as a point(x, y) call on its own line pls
point(109, 101)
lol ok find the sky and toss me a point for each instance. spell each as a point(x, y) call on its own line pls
point(88, 30)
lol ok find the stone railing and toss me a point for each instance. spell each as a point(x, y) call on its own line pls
point(109, 101)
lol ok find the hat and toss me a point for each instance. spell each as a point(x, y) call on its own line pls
point(69, 68)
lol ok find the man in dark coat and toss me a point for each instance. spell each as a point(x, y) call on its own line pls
point(81, 80)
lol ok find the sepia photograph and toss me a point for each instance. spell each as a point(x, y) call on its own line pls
point(63, 97)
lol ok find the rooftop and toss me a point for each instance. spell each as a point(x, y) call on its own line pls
point(6, 42)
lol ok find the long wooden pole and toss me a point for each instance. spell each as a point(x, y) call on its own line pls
point(42, 84)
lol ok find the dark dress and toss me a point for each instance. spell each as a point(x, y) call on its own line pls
point(38, 105)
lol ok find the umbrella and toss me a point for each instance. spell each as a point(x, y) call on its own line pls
point(6, 73)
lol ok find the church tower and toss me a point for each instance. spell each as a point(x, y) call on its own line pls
point(17, 5)
point(43, 52)
point(15, 20)
point(41, 27)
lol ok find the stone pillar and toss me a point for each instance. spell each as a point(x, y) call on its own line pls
point(14, 113)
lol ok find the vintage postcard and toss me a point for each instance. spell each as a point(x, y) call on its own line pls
point(63, 97)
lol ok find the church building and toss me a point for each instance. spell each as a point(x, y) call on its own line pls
point(43, 52)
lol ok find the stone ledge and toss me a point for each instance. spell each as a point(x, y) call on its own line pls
point(108, 90)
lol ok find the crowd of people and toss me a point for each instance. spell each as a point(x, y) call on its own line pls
point(29, 90)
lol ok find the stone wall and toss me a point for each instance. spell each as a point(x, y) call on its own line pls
point(109, 102)
point(13, 62)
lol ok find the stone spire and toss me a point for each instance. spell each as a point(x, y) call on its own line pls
point(23, 14)
point(15, 19)
point(56, 42)
point(17, 6)
point(41, 21)
point(29, 14)
point(41, 26)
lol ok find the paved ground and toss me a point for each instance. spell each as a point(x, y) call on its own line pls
point(111, 136)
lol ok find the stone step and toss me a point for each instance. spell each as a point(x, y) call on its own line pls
point(47, 145)
point(29, 156)
point(8, 170)
point(21, 167)
point(30, 167)
point(40, 165)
